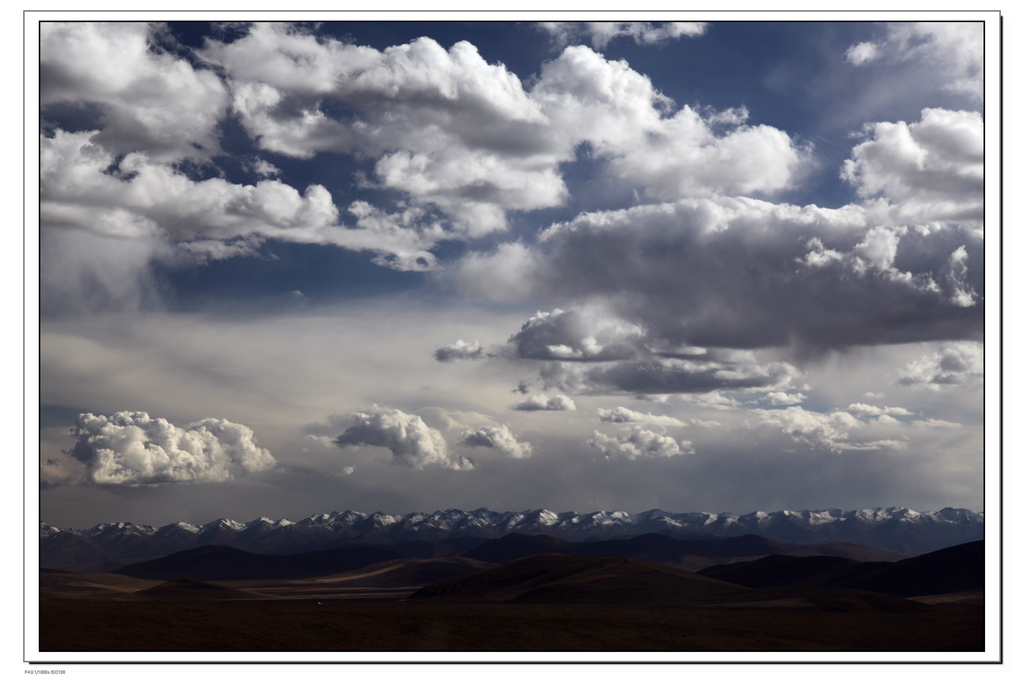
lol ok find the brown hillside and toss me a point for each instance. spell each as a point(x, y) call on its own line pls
point(561, 579)
point(189, 589)
point(410, 571)
point(64, 586)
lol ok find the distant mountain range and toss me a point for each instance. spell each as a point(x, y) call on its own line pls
point(896, 529)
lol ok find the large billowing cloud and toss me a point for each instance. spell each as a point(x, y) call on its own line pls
point(146, 97)
point(744, 273)
point(133, 449)
point(86, 188)
point(497, 437)
point(662, 292)
point(461, 140)
point(454, 132)
point(445, 126)
point(107, 218)
point(664, 152)
point(932, 169)
point(412, 443)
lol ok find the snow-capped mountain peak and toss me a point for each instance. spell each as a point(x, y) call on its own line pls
point(895, 528)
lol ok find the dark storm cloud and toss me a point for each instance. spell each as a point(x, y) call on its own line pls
point(741, 273)
point(585, 335)
point(656, 376)
point(746, 286)
point(906, 265)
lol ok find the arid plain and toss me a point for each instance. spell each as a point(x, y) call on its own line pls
point(537, 603)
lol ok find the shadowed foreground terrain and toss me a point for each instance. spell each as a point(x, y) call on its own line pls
point(380, 625)
point(539, 603)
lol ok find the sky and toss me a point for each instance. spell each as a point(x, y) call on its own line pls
point(287, 269)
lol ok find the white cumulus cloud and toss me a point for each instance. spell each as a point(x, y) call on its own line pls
point(862, 53)
point(133, 449)
point(931, 169)
point(544, 402)
point(669, 152)
point(782, 398)
point(861, 409)
point(623, 414)
point(441, 123)
point(826, 430)
point(451, 131)
point(460, 350)
point(149, 98)
point(637, 443)
point(497, 437)
point(412, 443)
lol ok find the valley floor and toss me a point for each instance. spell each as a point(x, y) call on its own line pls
point(371, 626)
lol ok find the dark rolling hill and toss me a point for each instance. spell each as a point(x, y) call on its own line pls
point(515, 546)
point(411, 571)
point(951, 570)
point(552, 578)
point(190, 589)
point(787, 570)
point(690, 554)
point(227, 563)
point(796, 599)
point(430, 549)
point(663, 549)
point(218, 563)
